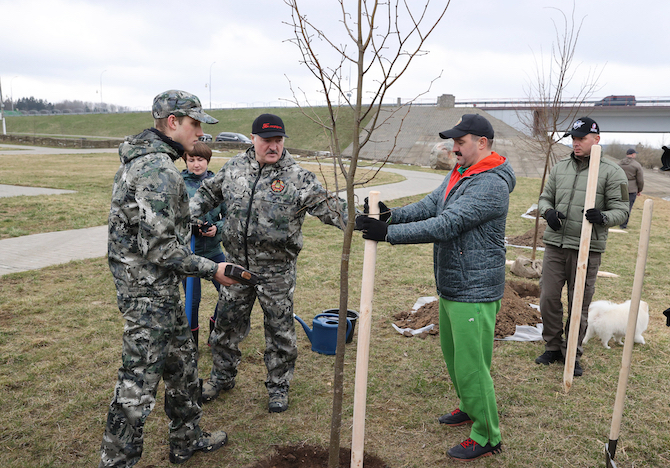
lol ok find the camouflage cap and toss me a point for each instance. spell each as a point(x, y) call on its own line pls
point(180, 103)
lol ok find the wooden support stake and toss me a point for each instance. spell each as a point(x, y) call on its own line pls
point(363, 342)
point(582, 265)
point(645, 231)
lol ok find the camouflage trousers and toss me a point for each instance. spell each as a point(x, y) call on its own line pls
point(233, 323)
point(157, 342)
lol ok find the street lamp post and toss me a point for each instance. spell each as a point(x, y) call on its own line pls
point(210, 85)
point(2, 106)
point(11, 91)
point(101, 89)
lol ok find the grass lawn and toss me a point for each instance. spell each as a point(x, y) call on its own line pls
point(60, 343)
point(91, 176)
point(303, 132)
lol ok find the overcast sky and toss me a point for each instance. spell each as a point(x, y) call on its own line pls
point(129, 51)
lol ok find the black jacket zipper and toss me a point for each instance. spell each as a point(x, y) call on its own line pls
point(246, 228)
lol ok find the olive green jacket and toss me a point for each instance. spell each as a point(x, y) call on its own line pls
point(565, 191)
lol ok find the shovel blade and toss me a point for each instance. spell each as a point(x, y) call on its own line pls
point(609, 457)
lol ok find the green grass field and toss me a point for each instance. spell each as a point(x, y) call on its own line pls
point(60, 344)
point(91, 176)
point(302, 131)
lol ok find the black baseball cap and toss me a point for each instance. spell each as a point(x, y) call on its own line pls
point(473, 124)
point(582, 127)
point(631, 151)
point(267, 126)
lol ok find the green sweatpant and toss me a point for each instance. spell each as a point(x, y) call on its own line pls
point(466, 336)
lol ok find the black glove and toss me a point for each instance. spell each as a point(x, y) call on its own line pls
point(384, 211)
point(666, 312)
point(595, 216)
point(554, 218)
point(373, 229)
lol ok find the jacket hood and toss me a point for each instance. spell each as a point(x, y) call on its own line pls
point(495, 164)
point(148, 142)
point(506, 172)
point(627, 161)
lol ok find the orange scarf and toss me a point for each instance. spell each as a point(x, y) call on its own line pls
point(489, 162)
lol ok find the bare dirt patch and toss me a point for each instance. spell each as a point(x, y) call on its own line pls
point(309, 456)
point(527, 238)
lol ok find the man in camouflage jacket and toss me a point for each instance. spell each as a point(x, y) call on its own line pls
point(148, 254)
point(264, 196)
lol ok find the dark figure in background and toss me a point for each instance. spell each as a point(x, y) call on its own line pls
point(665, 159)
point(635, 176)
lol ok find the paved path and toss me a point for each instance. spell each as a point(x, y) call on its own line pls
point(16, 191)
point(51, 248)
point(40, 250)
point(22, 150)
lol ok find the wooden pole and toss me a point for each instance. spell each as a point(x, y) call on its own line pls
point(645, 231)
point(188, 293)
point(363, 342)
point(582, 265)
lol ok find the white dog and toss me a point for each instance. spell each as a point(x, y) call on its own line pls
point(608, 320)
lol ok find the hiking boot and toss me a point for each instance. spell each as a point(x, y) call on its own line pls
point(278, 402)
point(469, 450)
point(210, 391)
point(206, 443)
point(455, 418)
point(578, 370)
point(549, 357)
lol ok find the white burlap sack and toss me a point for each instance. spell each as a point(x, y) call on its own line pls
point(527, 268)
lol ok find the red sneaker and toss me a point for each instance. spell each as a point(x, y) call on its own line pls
point(470, 450)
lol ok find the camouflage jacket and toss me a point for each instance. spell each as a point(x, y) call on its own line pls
point(264, 208)
point(148, 244)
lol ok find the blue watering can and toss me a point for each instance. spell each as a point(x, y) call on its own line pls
point(323, 336)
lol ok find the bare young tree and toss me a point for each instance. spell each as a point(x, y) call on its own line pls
point(379, 39)
point(552, 110)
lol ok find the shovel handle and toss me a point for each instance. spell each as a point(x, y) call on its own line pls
point(582, 266)
point(645, 231)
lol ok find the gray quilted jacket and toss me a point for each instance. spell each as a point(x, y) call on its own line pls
point(467, 229)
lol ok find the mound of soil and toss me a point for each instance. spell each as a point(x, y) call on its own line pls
point(514, 310)
point(310, 456)
point(424, 315)
point(527, 238)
